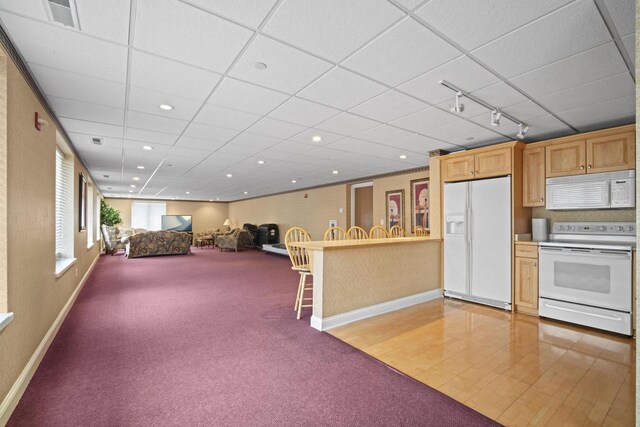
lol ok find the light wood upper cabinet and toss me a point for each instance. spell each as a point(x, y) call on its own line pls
point(526, 282)
point(493, 163)
point(533, 179)
point(566, 159)
point(611, 153)
point(458, 168)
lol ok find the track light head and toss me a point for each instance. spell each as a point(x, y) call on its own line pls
point(496, 115)
point(522, 130)
point(459, 107)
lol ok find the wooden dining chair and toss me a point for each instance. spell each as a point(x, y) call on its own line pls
point(378, 232)
point(357, 233)
point(420, 231)
point(396, 231)
point(335, 233)
point(300, 263)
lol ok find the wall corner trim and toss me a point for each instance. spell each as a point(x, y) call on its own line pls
point(373, 310)
point(12, 398)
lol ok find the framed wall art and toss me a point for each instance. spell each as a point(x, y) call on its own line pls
point(394, 204)
point(419, 203)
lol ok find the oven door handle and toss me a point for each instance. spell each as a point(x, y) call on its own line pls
point(570, 310)
point(587, 253)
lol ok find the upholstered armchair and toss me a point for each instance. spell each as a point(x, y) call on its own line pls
point(237, 239)
point(112, 242)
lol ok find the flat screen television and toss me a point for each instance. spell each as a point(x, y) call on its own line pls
point(177, 222)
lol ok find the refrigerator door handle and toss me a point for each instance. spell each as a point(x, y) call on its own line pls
point(469, 230)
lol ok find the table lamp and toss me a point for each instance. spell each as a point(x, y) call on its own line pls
point(228, 224)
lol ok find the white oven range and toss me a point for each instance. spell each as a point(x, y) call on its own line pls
point(585, 274)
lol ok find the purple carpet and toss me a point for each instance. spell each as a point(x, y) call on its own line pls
point(211, 339)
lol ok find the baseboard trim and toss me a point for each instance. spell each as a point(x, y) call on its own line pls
point(373, 310)
point(17, 390)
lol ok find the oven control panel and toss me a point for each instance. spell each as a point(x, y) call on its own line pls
point(612, 228)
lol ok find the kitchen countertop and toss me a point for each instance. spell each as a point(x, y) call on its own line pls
point(527, 242)
point(344, 244)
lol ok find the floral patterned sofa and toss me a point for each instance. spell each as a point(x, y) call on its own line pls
point(237, 239)
point(111, 236)
point(154, 243)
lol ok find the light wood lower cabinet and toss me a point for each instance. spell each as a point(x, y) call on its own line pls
point(526, 279)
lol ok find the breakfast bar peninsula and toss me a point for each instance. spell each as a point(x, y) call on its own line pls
point(356, 279)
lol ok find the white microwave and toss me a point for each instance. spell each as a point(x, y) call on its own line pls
point(609, 190)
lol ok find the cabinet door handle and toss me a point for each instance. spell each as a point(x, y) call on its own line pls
point(581, 167)
point(542, 199)
point(589, 167)
point(535, 264)
point(476, 171)
point(471, 172)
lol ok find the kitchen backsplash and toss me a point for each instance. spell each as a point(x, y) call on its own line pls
point(605, 215)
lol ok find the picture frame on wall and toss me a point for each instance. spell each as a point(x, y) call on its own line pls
point(82, 215)
point(420, 203)
point(394, 208)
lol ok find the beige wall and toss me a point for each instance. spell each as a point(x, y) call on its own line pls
point(637, 218)
point(311, 210)
point(205, 214)
point(399, 182)
point(35, 296)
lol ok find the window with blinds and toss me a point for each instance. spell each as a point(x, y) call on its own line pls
point(147, 215)
point(98, 235)
point(90, 217)
point(64, 206)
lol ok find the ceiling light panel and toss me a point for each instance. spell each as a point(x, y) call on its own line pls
point(579, 25)
point(332, 28)
point(400, 55)
point(177, 30)
point(289, 69)
point(342, 89)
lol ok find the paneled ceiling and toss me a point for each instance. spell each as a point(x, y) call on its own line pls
point(361, 74)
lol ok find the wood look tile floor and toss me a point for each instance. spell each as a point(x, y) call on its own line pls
point(516, 369)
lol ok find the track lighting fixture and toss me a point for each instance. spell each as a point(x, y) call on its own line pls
point(522, 130)
point(496, 115)
point(459, 107)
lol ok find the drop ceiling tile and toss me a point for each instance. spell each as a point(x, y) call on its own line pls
point(65, 84)
point(342, 89)
point(458, 132)
point(134, 147)
point(155, 123)
point(389, 106)
point(525, 110)
point(150, 136)
point(407, 50)
point(64, 49)
point(593, 93)
point(411, 4)
point(462, 72)
point(238, 149)
point(383, 134)
point(91, 128)
point(425, 120)
point(213, 133)
point(247, 12)
point(347, 124)
point(82, 141)
point(33, 8)
point(288, 69)
point(422, 144)
point(582, 68)
point(324, 153)
point(107, 20)
point(570, 30)
point(276, 128)
point(187, 34)
point(500, 95)
point(149, 101)
point(597, 114)
point(224, 117)
point(85, 111)
point(255, 140)
point(163, 75)
point(303, 112)
point(332, 29)
point(353, 145)
point(630, 46)
point(199, 143)
point(623, 14)
point(472, 23)
point(306, 136)
point(247, 97)
point(546, 127)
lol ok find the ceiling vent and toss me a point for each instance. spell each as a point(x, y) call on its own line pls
point(96, 141)
point(63, 12)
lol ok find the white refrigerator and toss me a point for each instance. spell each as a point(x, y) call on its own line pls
point(477, 241)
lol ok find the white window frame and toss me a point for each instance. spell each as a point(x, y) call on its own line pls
point(146, 222)
point(90, 217)
point(64, 212)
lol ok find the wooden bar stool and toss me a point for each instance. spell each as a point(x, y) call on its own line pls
point(335, 233)
point(300, 263)
point(357, 233)
point(396, 231)
point(420, 231)
point(378, 232)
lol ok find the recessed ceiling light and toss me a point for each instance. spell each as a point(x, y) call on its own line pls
point(229, 175)
point(132, 186)
point(211, 200)
point(135, 178)
point(130, 191)
point(246, 192)
point(187, 192)
point(260, 66)
point(261, 162)
point(166, 107)
point(335, 172)
point(293, 181)
point(147, 147)
point(316, 138)
point(403, 156)
point(140, 167)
